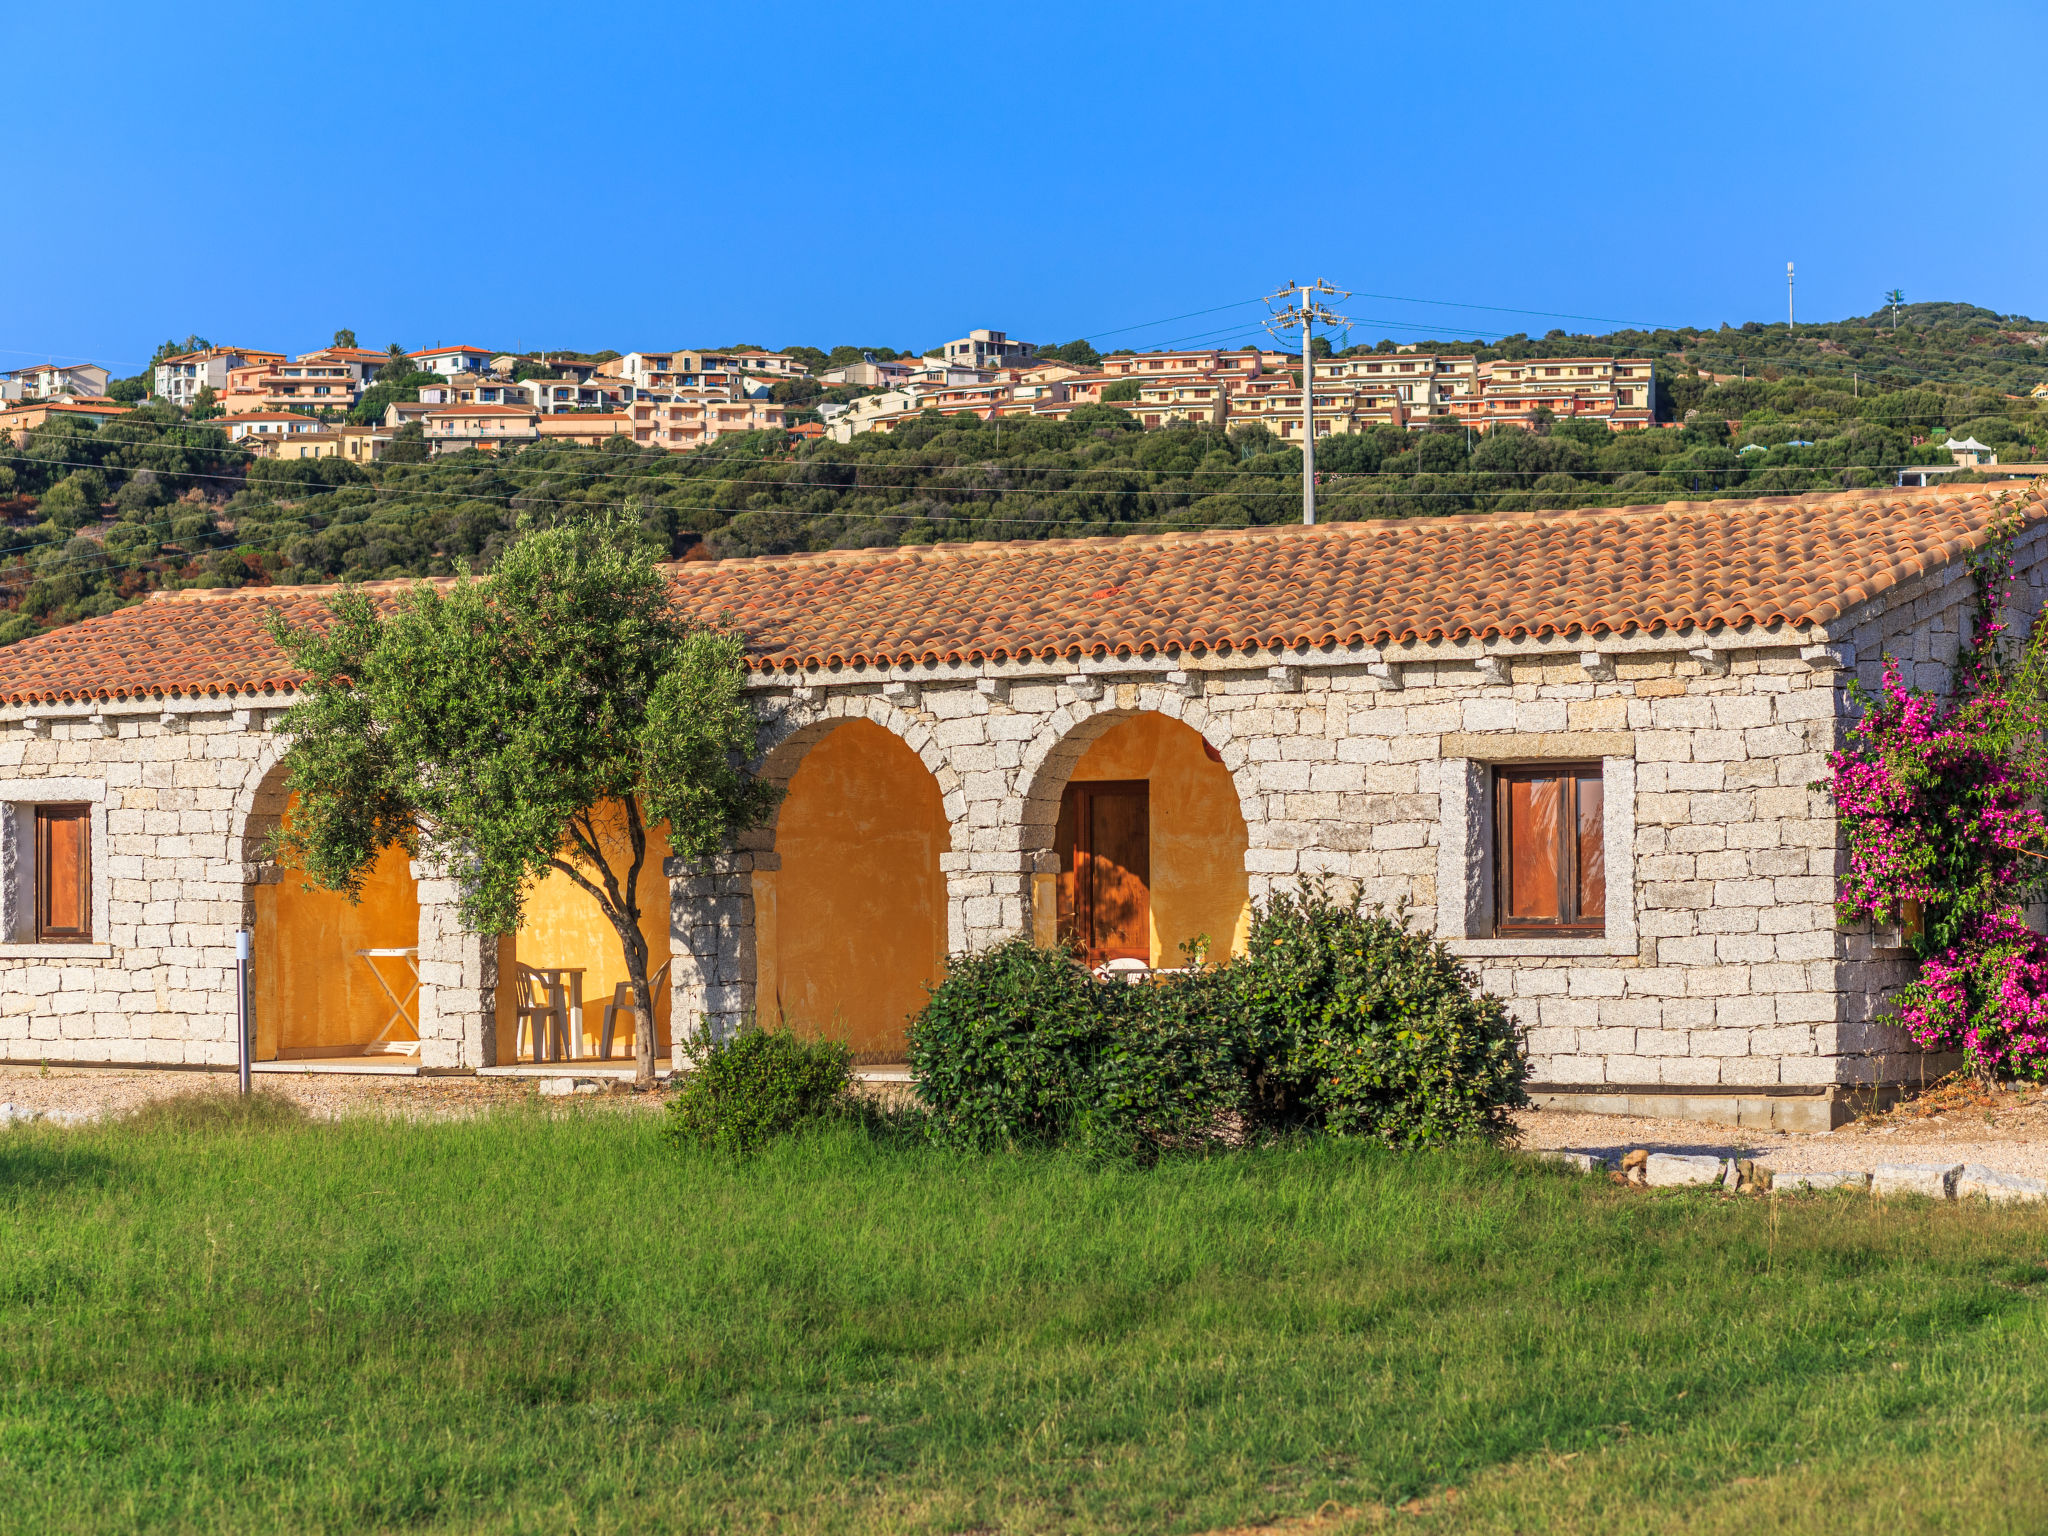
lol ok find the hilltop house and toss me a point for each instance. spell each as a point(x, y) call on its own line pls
point(1578, 746)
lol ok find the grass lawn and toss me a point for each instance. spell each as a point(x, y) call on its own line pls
point(533, 1322)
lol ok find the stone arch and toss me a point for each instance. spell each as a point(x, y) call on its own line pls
point(790, 734)
point(830, 915)
point(1072, 729)
point(1194, 818)
point(312, 993)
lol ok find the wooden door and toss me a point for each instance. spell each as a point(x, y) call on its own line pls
point(1104, 846)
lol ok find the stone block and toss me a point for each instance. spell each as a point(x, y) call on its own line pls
point(1671, 1170)
point(1931, 1181)
point(1976, 1182)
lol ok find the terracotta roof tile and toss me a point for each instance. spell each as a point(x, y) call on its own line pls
point(1793, 560)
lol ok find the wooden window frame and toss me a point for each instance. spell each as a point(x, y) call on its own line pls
point(1577, 924)
point(45, 814)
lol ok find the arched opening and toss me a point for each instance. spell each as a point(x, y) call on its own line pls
point(334, 979)
point(852, 927)
point(567, 938)
point(1149, 849)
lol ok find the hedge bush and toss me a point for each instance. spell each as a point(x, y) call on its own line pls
point(1335, 1020)
point(758, 1085)
point(1364, 1028)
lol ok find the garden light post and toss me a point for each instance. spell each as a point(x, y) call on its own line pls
point(242, 949)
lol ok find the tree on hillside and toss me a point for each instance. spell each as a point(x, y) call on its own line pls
point(345, 338)
point(543, 719)
point(396, 365)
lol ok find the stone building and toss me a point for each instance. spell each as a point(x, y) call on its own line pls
point(1577, 745)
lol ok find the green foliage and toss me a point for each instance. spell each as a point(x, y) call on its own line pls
point(1122, 389)
point(1004, 1047)
point(345, 338)
point(1335, 1020)
point(1366, 1029)
point(541, 719)
point(743, 1092)
point(1077, 352)
point(404, 385)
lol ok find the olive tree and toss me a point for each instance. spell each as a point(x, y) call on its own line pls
point(541, 719)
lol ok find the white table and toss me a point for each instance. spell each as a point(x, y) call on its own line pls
point(411, 956)
point(555, 975)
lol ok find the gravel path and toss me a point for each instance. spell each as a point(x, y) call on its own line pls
point(2002, 1129)
point(113, 1091)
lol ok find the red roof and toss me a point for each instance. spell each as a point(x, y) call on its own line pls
point(1795, 561)
point(446, 351)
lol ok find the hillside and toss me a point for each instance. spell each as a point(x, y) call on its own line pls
point(99, 518)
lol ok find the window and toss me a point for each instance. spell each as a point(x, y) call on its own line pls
point(63, 858)
point(1550, 863)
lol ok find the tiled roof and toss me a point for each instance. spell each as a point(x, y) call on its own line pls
point(1795, 561)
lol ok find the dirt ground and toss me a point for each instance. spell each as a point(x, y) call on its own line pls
point(1956, 1122)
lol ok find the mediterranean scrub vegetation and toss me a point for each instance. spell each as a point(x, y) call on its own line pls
point(98, 517)
point(1335, 1021)
point(542, 1320)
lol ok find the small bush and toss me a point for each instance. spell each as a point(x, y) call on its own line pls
point(756, 1086)
point(208, 1110)
point(1363, 1028)
point(1001, 1051)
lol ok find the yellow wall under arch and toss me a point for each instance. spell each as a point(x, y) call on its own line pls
point(1198, 837)
point(564, 926)
point(853, 926)
point(310, 989)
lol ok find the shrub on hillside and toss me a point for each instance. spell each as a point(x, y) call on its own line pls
point(744, 1092)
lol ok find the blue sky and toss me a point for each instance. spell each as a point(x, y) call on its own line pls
point(536, 176)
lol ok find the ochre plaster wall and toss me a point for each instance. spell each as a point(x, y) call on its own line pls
point(851, 929)
point(311, 991)
point(564, 927)
point(1198, 834)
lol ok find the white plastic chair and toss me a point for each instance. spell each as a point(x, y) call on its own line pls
point(543, 1017)
point(622, 1003)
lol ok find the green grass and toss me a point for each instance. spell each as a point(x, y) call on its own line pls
point(555, 1323)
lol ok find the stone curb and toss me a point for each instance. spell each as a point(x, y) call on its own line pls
point(1927, 1181)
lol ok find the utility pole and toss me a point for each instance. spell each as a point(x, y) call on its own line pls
point(1791, 320)
point(1306, 311)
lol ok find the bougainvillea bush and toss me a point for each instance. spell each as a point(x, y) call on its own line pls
point(1940, 797)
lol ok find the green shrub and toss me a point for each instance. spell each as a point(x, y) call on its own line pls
point(1003, 1046)
point(756, 1086)
point(1363, 1028)
point(1335, 1020)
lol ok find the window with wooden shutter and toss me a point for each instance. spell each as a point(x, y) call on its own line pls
point(1550, 871)
point(63, 872)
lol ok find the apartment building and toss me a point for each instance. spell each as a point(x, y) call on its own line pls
point(988, 349)
point(329, 379)
point(179, 379)
point(584, 429)
point(451, 360)
point(484, 389)
point(870, 372)
point(254, 424)
point(50, 381)
point(595, 393)
point(453, 428)
point(1248, 360)
point(30, 414)
point(1617, 390)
